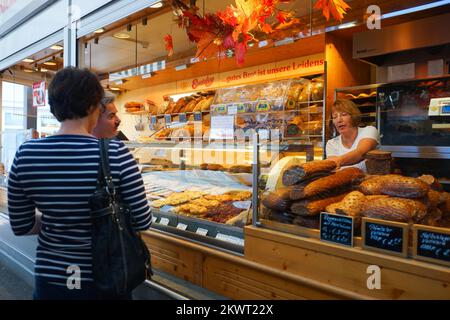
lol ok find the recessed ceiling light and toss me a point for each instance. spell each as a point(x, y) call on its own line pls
point(157, 5)
point(27, 60)
point(27, 70)
point(121, 35)
point(50, 63)
point(101, 30)
point(56, 47)
point(44, 70)
point(114, 89)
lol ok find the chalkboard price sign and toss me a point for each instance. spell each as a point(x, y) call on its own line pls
point(336, 228)
point(432, 244)
point(385, 236)
point(182, 117)
point(197, 116)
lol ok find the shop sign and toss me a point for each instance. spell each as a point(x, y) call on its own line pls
point(431, 244)
point(39, 94)
point(205, 82)
point(385, 236)
point(336, 228)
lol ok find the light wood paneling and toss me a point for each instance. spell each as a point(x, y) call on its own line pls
point(347, 267)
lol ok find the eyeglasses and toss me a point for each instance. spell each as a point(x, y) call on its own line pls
point(336, 115)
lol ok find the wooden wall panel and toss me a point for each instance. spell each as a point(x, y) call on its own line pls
point(343, 272)
point(180, 262)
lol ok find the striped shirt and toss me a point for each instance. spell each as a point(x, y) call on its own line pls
point(57, 175)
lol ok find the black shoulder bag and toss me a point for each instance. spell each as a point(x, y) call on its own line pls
point(120, 259)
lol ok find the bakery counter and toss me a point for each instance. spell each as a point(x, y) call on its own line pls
point(366, 273)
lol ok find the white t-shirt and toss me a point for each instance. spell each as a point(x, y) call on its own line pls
point(336, 148)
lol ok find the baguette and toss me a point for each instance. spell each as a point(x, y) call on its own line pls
point(296, 174)
point(326, 185)
point(314, 207)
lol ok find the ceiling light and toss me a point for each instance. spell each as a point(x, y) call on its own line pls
point(114, 89)
point(27, 60)
point(44, 70)
point(121, 35)
point(27, 70)
point(101, 30)
point(156, 5)
point(56, 47)
point(50, 63)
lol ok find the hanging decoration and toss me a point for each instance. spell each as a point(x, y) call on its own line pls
point(236, 26)
point(337, 8)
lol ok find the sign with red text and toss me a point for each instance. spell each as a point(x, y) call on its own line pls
point(39, 94)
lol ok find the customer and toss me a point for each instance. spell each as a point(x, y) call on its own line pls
point(109, 121)
point(353, 142)
point(57, 175)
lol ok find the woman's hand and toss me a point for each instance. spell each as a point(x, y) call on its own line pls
point(337, 161)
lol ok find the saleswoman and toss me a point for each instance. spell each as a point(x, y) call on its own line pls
point(353, 142)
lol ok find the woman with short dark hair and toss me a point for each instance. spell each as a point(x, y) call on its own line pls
point(57, 175)
point(353, 142)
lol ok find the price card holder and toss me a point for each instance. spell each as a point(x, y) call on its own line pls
point(168, 118)
point(182, 117)
point(336, 228)
point(154, 219)
point(230, 239)
point(431, 244)
point(201, 231)
point(385, 236)
point(232, 109)
point(182, 226)
point(164, 221)
point(197, 116)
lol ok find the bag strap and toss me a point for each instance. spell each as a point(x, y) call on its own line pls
point(104, 170)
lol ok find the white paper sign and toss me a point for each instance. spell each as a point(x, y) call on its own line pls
point(154, 219)
point(182, 226)
point(222, 127)
point(435, 67)
point(231, 239)
point(232, 109)
point(201, 231)
point(401, 72)
point(164, 221)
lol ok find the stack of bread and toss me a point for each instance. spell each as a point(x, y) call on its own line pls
point(309, 189)
point(133, 106)
point(194, 103)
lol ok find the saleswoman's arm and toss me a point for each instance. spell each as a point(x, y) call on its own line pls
point(357, 155)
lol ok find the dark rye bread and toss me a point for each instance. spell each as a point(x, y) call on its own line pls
point(277, 200)
point(298, 173)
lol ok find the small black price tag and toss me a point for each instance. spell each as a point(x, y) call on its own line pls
point(182, 117)
point(432, 244)
point(168, 118)
point(385, 236)
point(197, 116)
point(336, 228)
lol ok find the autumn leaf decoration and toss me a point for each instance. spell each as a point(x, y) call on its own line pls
point(337, 8)
point(168, 44)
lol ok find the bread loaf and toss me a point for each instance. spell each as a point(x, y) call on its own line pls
point(298, 173)
point(432, 218)
point(350, 205)
point(445, 204)
point(277, 200)
point(393, 209)
point(372, 186)
point(327, 185)
point(419, 209)
point(405, 187)
point(431, 181)
point(314, 207)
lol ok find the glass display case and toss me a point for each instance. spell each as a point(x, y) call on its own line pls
point(202, 190)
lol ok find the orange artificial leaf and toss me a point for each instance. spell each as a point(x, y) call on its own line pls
point(337, 8)
point(169, 44)
point(266, 28)
point(283, 16)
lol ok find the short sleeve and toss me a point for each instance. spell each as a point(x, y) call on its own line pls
point(371, 133)
point(331, 148)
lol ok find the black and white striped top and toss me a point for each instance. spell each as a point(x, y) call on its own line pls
point(57, 175)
